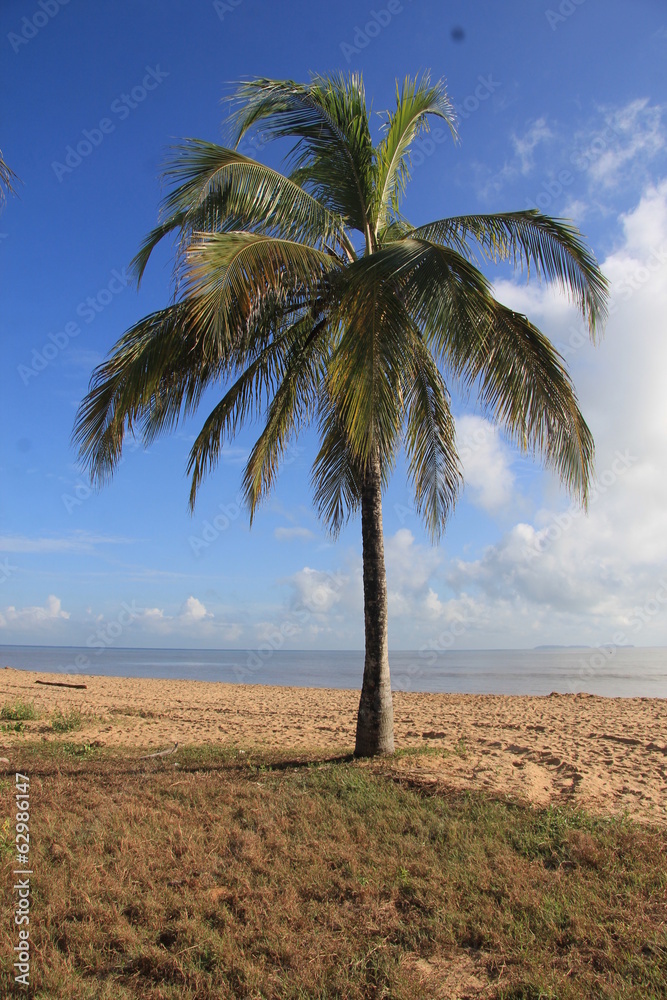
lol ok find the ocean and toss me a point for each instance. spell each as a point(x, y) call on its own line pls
point(631, 672)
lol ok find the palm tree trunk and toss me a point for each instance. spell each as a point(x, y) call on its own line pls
point(375, 720)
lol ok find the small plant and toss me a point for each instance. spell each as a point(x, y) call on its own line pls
point(403, 877)
point(6, 839)
point(66, 722)
point(18, 711)
point(78, 749)
point(12, 727)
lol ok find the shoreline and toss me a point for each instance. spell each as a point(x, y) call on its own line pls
point(398, 678)
point(604, 753)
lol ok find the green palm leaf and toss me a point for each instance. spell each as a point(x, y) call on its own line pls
point(215, 189)
point(276, 365)
point(228, 272)
point(333, 151)
point(430, 440)
point(150, 378)
point(292, 407)
point(336, 478)
point(553, 247)
point(414, 103)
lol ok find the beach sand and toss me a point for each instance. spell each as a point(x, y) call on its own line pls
point(608, 755)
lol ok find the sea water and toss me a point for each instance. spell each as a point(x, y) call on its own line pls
point(631, 672)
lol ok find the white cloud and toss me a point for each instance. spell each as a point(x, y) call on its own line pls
point(520, 164)
point(486, 461)
point(154, 614)
point(581, 166)
point(33, 617)
point(193, 611)
point(571, 577)
point(292, 534)
point(316, 591)
point(526, 144)
point(234, 455)
point(409, 565)
point(575, 209)
point(638, 136)
point(77, 541)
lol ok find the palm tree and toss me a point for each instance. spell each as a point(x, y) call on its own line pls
point(308, 296)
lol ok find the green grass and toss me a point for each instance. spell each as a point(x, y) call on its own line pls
point(79, 749)
point(18, 711)
point(66, 722)
point(246, 874)
point(12, 727)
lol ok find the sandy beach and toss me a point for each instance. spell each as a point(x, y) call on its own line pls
point(608, 755)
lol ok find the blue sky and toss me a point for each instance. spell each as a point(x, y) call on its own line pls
point(562, 106)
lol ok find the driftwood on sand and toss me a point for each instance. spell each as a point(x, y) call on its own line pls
point(61, 684)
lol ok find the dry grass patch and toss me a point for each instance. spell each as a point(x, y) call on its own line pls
point(246, 875)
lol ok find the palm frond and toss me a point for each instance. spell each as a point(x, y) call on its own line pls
point(215, 189)
point(430, 440)
point(365, 373)
point(519, 376)
point(139, 262)
point(245, 399)
point(415, 102)
point(336, 478)
point(227, 273)
point(522, 380)
point(553, 247)
point(291, 408)
point(149, 371)
point(332, 156)
point(8, 180)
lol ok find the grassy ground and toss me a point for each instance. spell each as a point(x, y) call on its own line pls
point(243, 874)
